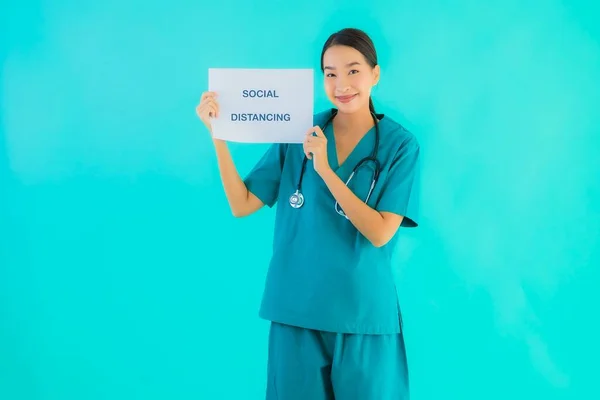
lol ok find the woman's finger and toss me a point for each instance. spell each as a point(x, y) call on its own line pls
point(213, 106)
point(207, 110)
point(207, 95)
point(315, 139)
point(311, 148)
point(217, 108)
point(307, 151)
point(318, 132)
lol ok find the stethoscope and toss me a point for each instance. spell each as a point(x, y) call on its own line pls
point(297, 198)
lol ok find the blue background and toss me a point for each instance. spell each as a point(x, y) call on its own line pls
point(124, 276)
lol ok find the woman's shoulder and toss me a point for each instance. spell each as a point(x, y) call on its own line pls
point(396, 134)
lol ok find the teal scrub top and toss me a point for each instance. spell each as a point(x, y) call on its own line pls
point(324, 274)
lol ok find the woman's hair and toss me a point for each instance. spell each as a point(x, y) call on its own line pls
point(358, 40)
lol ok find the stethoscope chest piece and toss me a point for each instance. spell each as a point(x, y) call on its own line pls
point(296, 199)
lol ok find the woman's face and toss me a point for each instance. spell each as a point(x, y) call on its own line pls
point(348, 78)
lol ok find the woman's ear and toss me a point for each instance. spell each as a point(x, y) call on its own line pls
point(376, 75)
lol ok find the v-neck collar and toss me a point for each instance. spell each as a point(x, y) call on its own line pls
point(357, 153)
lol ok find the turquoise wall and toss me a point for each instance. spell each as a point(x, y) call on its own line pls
point(124, 276)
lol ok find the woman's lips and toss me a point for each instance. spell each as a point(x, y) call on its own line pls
point(346, 99)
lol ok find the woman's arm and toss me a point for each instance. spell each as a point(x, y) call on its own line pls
point(241, 201)
point(377, 227)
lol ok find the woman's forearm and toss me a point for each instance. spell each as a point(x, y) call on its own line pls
point(241, 201)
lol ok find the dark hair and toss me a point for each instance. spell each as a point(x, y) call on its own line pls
point(358, 40)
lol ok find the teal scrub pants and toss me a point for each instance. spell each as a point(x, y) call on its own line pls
point(313, 365)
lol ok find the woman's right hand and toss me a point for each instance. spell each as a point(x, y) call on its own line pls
point(208, 108)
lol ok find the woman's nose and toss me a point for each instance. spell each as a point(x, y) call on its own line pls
point(342, 85)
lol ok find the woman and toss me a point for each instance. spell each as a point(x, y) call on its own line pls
point(336, 326)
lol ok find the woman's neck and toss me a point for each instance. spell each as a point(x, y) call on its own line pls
point(356, 123)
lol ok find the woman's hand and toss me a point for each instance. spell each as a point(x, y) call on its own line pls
point(315, 148)
point(208, 108)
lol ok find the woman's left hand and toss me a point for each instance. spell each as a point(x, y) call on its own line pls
point(315, 148)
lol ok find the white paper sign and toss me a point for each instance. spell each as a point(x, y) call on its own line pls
point(262, 105)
